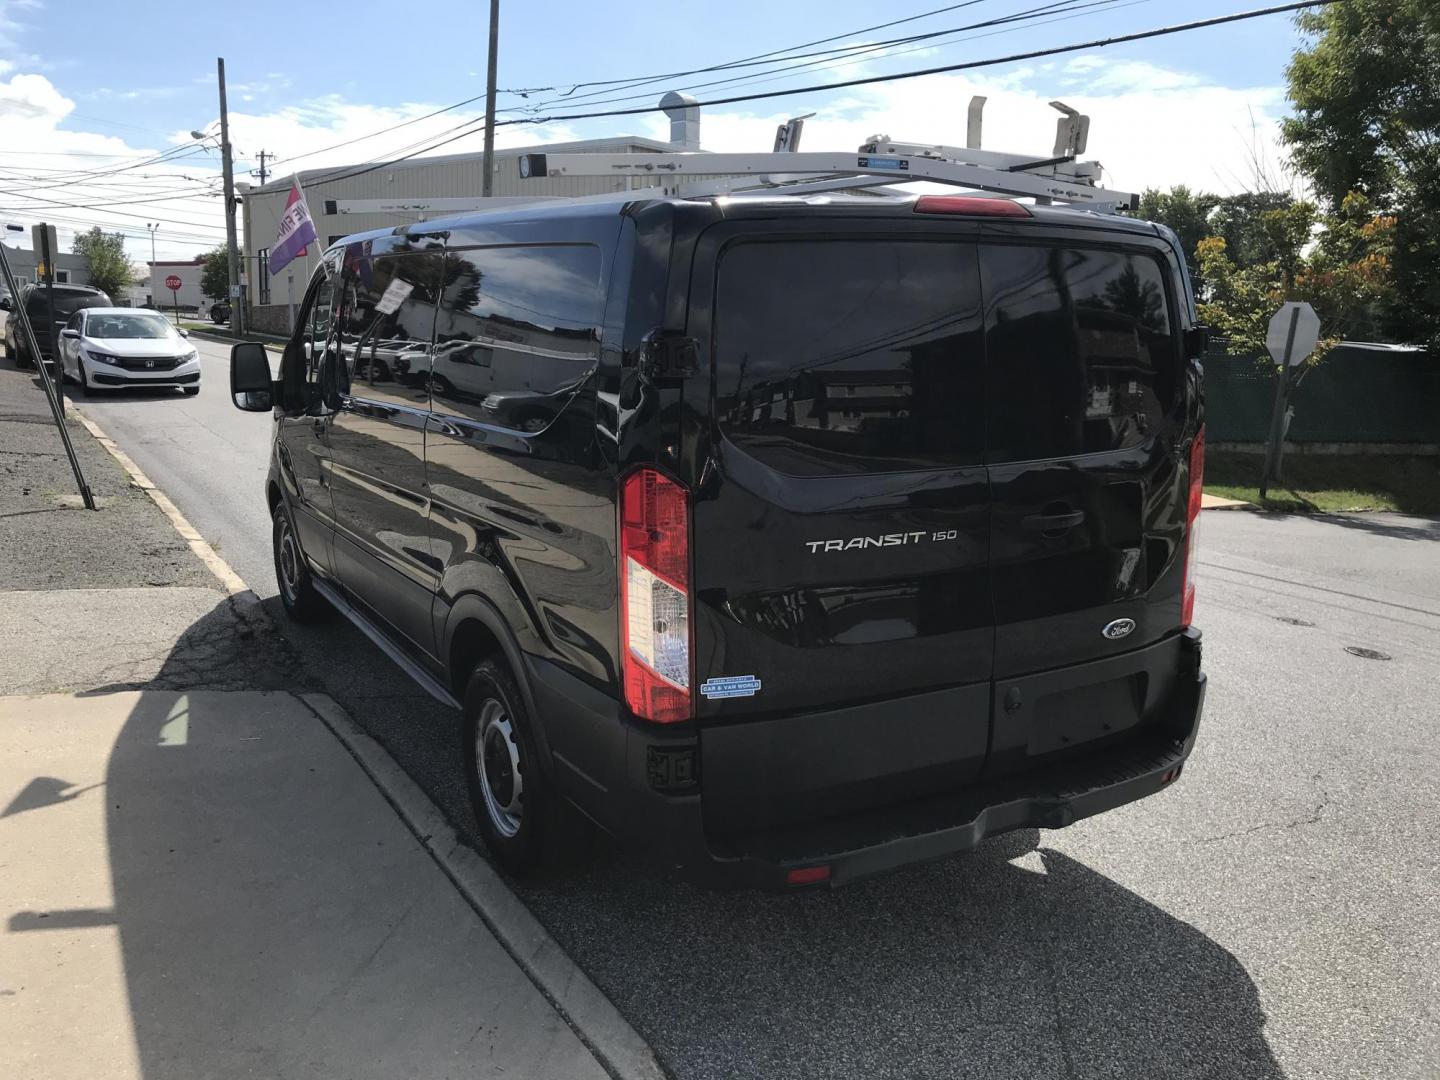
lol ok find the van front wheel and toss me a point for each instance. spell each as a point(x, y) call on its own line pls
point(302, 601)
point(510, 795)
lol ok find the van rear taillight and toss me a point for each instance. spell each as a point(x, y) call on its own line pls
point(655, 595)
point(1192, 523)
point(970, 204)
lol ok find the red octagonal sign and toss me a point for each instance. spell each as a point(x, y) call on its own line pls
point(173, 282)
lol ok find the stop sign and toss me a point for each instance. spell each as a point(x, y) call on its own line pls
point(173, 282)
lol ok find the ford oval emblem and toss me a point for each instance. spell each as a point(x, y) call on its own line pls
point(1118, 629)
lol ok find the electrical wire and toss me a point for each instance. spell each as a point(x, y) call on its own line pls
point(638, 80)
point(468, 126)
point(970, 65)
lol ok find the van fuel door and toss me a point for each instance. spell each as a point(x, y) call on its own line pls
point(667, 357)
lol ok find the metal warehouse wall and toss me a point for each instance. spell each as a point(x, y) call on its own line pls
point(1354, 395)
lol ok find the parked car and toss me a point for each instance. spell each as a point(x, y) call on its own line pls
point(220, 312)
point(108, 347)
point(849, 534)
point(68, 300)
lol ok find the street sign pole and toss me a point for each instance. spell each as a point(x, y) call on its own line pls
point(56, 408)
point(1276, 447)
point(1291, 337)
point(173, 283)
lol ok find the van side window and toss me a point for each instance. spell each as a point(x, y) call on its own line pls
point(1082, 357)
point(388, 322)
point(518, 333)
point(850, 356)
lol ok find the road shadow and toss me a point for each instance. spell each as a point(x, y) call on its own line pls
point(1006, 963)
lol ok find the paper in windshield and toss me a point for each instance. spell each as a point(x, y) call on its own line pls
point(394, 296)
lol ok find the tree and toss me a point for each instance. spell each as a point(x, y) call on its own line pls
point(1186, 212)
point(110, 269)
point(215, 278)
point(1366, 92)
point(1344, 273)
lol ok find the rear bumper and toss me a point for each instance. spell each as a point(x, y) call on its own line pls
point(653, 800)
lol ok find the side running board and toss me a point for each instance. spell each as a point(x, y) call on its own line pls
point(431, 685)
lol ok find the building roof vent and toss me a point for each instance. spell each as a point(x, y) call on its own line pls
point(684, 113)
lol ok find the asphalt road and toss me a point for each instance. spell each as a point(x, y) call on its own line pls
point(1275, 914)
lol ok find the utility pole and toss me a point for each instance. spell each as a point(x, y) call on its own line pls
point(261, 172)
point(232, 249)
point(487, 182)
point(154, 228)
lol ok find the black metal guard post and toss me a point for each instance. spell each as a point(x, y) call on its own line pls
point(51, 395)
point(45, 257)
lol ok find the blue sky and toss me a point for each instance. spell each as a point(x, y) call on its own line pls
point(84, 79)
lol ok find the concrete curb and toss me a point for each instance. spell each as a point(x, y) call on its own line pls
point(583, 1006)
point(231, 581)
point(226, 339)
point(616, 1045)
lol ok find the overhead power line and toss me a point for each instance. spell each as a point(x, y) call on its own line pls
point(635, 79)
point(969, 65)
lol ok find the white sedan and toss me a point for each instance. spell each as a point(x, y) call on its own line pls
point(113, 347)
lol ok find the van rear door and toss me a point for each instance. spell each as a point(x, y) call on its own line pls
point(844, 630)
point(1084, 389)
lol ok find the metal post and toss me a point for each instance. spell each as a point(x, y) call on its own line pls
point(1276, 448)
point(290, 300)
point(237, 305)
point(46, 257)
point(56, 409)
point(487, 182)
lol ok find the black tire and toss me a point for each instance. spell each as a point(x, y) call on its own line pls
point(519, 824)
point(190, 391)
point(297, 589)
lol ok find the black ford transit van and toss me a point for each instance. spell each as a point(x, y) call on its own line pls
point(790, 539)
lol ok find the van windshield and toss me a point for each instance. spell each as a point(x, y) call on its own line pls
point(845, 356)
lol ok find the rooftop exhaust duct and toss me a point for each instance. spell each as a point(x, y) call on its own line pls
point(684, 113)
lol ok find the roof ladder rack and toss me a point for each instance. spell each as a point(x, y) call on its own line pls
point(876, 165)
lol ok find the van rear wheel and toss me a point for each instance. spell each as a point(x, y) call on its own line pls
point(512, 799)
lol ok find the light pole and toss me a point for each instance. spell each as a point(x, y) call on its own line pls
point(153, 230)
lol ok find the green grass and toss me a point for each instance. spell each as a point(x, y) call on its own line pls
point(1329, 483)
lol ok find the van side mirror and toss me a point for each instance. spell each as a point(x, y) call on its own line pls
point(1197, 342)
point(251, 386)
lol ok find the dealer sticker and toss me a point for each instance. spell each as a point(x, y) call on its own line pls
point(730, 686)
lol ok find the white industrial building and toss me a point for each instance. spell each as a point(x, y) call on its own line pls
point(358, 198)
point(189, 296)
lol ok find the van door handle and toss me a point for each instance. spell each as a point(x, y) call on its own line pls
point(1052, 523)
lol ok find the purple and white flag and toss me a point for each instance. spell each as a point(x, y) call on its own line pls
point(296, 231)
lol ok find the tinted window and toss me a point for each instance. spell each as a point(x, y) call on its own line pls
point(518, 333)
point(66, 302)
point(1080, 350)
point(841, 356)
point(387, 322)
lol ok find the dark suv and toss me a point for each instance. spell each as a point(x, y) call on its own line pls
point(68, 300)
point(838, 534)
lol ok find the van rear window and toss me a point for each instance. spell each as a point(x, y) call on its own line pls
point(847, 356)
point(1081, 354)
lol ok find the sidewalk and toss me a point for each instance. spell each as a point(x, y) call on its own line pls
point(198, 878)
